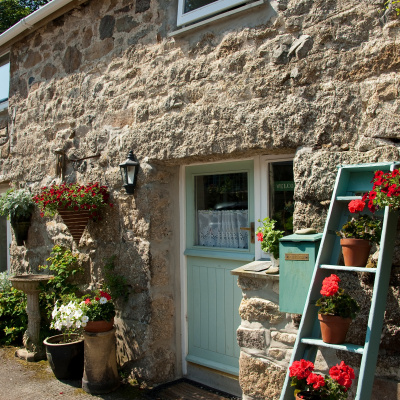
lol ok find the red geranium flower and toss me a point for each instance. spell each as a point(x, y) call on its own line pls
point(260, 236)
point(356, 206)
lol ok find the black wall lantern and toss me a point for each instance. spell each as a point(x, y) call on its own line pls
point(129, 170)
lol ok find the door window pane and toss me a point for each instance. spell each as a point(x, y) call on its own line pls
point(221, 210)
point(281, 192)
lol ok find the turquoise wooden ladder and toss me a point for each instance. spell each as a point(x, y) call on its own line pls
point(351, 182)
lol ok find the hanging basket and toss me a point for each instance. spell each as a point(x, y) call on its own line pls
point(20, 228)
point(76, 222)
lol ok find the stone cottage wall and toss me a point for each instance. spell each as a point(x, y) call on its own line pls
point(314, 78)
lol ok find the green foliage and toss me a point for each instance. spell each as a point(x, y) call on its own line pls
point(269, 236)
point(115, 284)
point(340, 304)
point(13, 317)
point(64, 265)
point(395, 4)
point(17, 204)
point(11, 11)
point(362, 227)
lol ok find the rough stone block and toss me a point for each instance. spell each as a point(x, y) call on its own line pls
point(255, 309)
point(260, 379)
point(282, 337)
point(250, 283)
point(252, 338)
point(106, 27)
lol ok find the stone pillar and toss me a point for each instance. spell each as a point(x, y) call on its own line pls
point(100, 373)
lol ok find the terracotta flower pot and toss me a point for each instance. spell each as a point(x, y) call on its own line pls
point(76, 222)
point(333, 328)
point(99, 326)
point(355, 252)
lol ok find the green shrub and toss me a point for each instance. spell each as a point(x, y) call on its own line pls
point(13, 317)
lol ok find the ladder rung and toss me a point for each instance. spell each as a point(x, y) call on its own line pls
point(353, 348)
point(348, 198)
point(348, 269)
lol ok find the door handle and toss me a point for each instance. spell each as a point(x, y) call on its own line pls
point(252, 232)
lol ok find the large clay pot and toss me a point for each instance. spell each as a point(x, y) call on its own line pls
point(65, 359)
point(355, 252)
point(99, 326)
point(333, 328)
point(20, 228)
point(76, 222)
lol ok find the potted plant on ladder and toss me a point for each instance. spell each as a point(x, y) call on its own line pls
point(337, 309)
point(358, 234)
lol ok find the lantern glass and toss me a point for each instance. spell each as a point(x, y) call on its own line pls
point(130, 174)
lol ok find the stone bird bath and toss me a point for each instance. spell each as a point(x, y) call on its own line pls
point(29, 283)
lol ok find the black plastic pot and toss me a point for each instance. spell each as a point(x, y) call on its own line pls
point(21, 228)
point(65, 359)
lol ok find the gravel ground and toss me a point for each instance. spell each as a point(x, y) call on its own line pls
point(22, 380)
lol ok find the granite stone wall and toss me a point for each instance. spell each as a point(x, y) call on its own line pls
point(313, 78)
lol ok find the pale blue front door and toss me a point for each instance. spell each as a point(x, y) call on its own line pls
point(219, 204)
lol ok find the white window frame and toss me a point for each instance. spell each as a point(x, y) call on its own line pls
point(4, 60)
point(205, 11)
point(262, 206)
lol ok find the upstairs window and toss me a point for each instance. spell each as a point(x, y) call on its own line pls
point(4, 81)
point(190, 11)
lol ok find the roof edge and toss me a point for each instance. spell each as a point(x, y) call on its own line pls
point(29, 23)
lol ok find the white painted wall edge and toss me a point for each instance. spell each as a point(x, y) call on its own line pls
point(32, 19)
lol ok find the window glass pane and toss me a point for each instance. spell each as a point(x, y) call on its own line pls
point(221, 210)
point(281, 192)
point(191, 5)
point(4, 81)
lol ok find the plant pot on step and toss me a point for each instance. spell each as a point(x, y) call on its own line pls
point(65, 359)
point(99, 326)
point(333, 328)
point(20, 227)
point(355, 252)
point(76, 221)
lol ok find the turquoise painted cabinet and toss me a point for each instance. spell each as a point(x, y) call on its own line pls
point(297, 255)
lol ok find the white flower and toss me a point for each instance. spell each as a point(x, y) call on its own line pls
point(58, 325)
point(78, 313)
point(84, 324)
point(78, 323)
point(54, 313)
point(85, 319)
point(103, 300)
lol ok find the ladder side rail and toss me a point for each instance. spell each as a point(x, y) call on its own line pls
point(309, 322)
point(378, 306)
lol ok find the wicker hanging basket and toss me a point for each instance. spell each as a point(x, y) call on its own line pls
point(76, 222)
